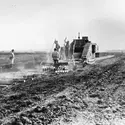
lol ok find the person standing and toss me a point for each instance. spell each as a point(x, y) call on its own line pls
point(12, 58)
point(67, 49)
point(55, 56)
point(62, 53)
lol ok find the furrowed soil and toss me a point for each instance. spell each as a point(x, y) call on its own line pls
point(94, 95)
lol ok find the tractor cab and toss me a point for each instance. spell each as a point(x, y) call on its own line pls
point(83, 49)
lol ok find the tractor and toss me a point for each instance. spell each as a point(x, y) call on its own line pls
point(83, 50)
point(80, 51)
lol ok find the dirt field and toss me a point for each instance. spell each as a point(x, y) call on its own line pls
point(92, 96)
point(25, 64)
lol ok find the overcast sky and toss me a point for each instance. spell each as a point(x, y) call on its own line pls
point(35, 24)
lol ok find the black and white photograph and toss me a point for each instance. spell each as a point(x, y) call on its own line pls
point(62, 62)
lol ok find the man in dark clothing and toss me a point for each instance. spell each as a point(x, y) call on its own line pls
point(55, 56)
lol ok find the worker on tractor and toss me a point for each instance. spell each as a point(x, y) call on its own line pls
point(57, 46)
point(67, 49)
point(55, 56)
point(71, 49)
point(62, 53)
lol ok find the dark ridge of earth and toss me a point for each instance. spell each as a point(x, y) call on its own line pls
point(92, 96)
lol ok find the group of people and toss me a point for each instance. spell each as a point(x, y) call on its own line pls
point(56, 54)
point(60, 52)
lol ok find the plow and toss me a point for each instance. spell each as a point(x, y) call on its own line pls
point(61, 67)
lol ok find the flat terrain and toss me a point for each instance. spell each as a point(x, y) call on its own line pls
point(94, 95)
point(25, 64)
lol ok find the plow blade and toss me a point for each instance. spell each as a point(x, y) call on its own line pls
point(61, 67)
point(51, 64)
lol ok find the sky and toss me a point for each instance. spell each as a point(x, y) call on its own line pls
point(33, 25)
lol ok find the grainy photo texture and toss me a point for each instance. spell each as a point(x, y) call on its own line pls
point(62, 62)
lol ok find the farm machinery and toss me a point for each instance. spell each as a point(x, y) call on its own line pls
point(60, 67)
point(81, 51)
